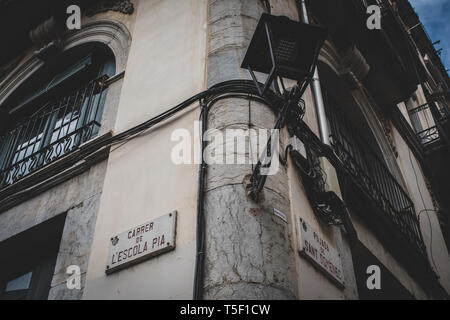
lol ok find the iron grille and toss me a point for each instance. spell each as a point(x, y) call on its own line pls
point(424, 124)
point(428, 135)
point(373, 177)
point(58, 127)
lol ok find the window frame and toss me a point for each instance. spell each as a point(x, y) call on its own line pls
point(88, 73)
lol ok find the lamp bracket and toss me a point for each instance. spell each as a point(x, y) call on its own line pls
point(262, 90)
point(258, 180)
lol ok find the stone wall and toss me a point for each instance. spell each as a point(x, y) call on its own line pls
point(249, 253)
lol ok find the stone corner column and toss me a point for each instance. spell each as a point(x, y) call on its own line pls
point(249, 251)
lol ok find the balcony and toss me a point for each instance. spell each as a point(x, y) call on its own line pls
point(55, 129)
point(388, 209)
point(433, 132)
point(425, 125)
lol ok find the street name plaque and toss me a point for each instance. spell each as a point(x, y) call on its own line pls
point(142, 242)
point(317, 250)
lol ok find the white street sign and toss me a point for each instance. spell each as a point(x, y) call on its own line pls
point(316, 249)
point(142, 242)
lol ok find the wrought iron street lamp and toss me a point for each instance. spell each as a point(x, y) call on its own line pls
point(281, 47)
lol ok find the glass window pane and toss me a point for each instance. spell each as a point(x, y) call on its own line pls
point(19, 283)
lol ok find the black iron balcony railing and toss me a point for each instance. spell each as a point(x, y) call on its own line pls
point(428, 135)
point(424, 123)
point(373, 177)
point(58, 127)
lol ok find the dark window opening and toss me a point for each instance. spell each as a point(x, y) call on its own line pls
point(28, 261)
point(390, 287)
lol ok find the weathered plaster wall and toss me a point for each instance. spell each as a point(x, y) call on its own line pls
point(420, 194)
point(165, 67)
point(429, 223)
point(312, 283)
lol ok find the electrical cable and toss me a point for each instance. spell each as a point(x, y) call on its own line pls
point(286, 151)
point(237, 87)
point(200, 237)
point(431, 233)
point(244, 89)
point(423, 210)
point(250, 133)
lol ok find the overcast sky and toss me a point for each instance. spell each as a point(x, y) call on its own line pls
point(435, 15)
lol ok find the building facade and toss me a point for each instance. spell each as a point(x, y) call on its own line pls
point(102, 132)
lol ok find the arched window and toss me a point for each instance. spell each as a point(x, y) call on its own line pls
point(57, 109)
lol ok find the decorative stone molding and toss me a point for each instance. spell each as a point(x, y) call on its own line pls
point(109, 32)
point(122, 6)
point(47, 38)
point(6, 69)
point(388, 133)
point(18, 76)
point(354, 67)
point(379, 126)
point(45, 33)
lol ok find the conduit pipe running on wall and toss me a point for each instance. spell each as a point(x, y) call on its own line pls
point(315, 86)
